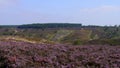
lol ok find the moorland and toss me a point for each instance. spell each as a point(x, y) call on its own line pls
point(59, 45)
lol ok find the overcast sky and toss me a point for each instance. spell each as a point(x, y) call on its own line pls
point(87, 12)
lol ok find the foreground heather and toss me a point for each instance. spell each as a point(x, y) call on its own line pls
point(16, 54)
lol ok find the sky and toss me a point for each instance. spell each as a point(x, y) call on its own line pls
point(86, 12)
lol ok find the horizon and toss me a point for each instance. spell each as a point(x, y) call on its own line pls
point(85, 12)
point(56, 23)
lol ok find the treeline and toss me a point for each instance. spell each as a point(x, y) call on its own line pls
point(50, 25)
point(61, 25)
point(9, 26)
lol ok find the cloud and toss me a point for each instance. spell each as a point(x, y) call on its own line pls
point(101, 9)
point(6, 3)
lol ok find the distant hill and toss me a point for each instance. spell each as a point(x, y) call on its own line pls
point(67, 33)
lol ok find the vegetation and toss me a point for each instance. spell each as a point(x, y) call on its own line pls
point(19, 54)
point(59, 46)
point(50, 25)
point(63, 33)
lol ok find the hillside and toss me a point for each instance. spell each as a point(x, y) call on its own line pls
point(19, 54)
point(65, 33)
point(59, 46)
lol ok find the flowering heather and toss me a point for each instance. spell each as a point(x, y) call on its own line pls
point(18, 54)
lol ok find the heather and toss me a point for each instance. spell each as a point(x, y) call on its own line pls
point(19, 54)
